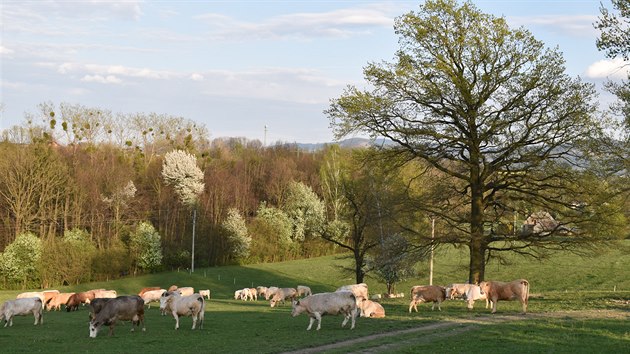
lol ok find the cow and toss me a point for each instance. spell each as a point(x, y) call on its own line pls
point(238, 294)
point(205, 293)
point(262, 290)
point(96, 306)
point(253, 294)
point(371, 309)
point(282, 294)
point(101, 293)
point(152, 295)
point(318, 305)
point(303, 290)
point(144, 290)
point(360, 291)
point(426, 293)
point(270, 292)
point(514, 290)
point(38, 294)
point(473, 294)
point(48, 295)
point(457, 290)
point(191, 305)
point(121, 308)
point(22, 307)
point(77, 299)
point(185, 291)
point(57, 300)
point(172, 288)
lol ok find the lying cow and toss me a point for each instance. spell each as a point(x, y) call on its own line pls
point(318, 305)
point(371, 309)
point(283, 294)
point(191, 305)
point(360, 291)
point(22, 307)
point(473, 294)
point(514, 290)
point(427, 293)
point(303, 290)
point(122, 308)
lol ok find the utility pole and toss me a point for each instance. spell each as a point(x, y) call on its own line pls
point(432, 248)
point(265, 137)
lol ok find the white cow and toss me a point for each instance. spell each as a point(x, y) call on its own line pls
point(186, 291)
point(457, 290)
point(191, 305)
point(102, 293)
point(282, 294)
point(22, 307)
point(205, 293)
point(152, 296)
point(318, 305)
point(303, 290)
point(271, 291)
point(371, 309)
point(39, 294)
point(360, 291)
point(473, 294)
point(238, 294)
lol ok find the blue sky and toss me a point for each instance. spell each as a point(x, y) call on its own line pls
point(236, 66)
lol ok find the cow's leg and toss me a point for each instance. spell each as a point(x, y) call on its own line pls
point(439, 303)
point(524, 302)
point(319, 320)
point(310, 323)
point(194, 319)
point(111, 329)
point(494, 305)
point(412, 305)
point(353, 313)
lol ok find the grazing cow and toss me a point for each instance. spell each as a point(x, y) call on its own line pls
point(238, 294)
point(77, 299)
point(144, 290)
point(205, 293)
point(102, 293)
point(360, 291)
point(371, 309)
point(514, 290)
point(191, 305)
point(96, 305)
point(48, 295)
point(38, 294)
point(121, 308)
point(152, 296)
point(21, 307)
point(261, 290)
point(303, 290)
point(426, 293)
point(473, 294)
point(271, 291)
point(57, 300)
point(457, 290)
point(318, 305)
point(282, 294)
point(253, 294)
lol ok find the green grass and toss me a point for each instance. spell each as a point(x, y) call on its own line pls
point(562, 283)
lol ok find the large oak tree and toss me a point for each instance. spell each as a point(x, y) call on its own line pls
point(492, 110)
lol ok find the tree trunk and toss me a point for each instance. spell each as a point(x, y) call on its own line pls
point(477, 242)
point(358, 265)
point(477, 261)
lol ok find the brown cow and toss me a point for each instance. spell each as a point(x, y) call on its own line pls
point(77, 299)
point(426, 293)
point(496, 290)
point(57, 300)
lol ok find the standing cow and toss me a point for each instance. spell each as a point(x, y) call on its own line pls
point(318, 305)
point(282, 294)
point(514, 290)
point(191, 305)
point(22, 307)
point(473, 294)
point(122, 308)
point(427, 293)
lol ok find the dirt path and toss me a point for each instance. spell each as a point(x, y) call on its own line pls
point(449, 328)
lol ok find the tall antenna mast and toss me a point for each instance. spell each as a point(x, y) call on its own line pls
point(265, 138)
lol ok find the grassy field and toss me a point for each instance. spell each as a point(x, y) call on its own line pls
point(577, 305)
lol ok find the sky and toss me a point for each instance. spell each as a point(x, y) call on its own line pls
point(237, 66)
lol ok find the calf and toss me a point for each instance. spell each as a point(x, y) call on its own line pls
point(21, 307)
point(303, 290)
point(191, 305)
point(473, 294)
point(514, 290)
point(122, 308)
point(318, 305)
point(371, 309)
point(426, 293)
point(282, 294)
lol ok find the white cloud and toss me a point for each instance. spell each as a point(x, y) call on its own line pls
point(109, 79)
point(609, 69)
point(196, 77)
point(119, 70)
point(574, 26)
point(6, 52)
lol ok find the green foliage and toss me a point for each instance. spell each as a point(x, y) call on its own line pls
point(392, 262)
point(279, 222)
point(145, 247)
point(237, 235)
point(305, 209)
point(111, 263)
point(19, 261)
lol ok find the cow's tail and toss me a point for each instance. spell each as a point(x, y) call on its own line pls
point(202, 313)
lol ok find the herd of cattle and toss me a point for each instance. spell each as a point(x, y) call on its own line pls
point(106, 307)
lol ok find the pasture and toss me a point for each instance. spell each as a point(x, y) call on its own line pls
point(576, 305)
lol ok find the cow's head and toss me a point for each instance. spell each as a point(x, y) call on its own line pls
point(165, 300)
point(483, 287)
point(296, 308)
point(95, 326)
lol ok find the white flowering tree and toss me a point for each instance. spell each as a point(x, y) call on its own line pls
point(19, 262)
point(237, 235)
point(180, 171)
point(145, 246)
point(306, 210)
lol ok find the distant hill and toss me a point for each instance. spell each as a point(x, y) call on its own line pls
point(346, 143)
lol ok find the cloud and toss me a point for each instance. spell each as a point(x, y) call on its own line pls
point(574, 26)
point(6, 52)
point(119, 70)
point(337, 23)
point(196, 77)
point(609, 69)
point(109, 79)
